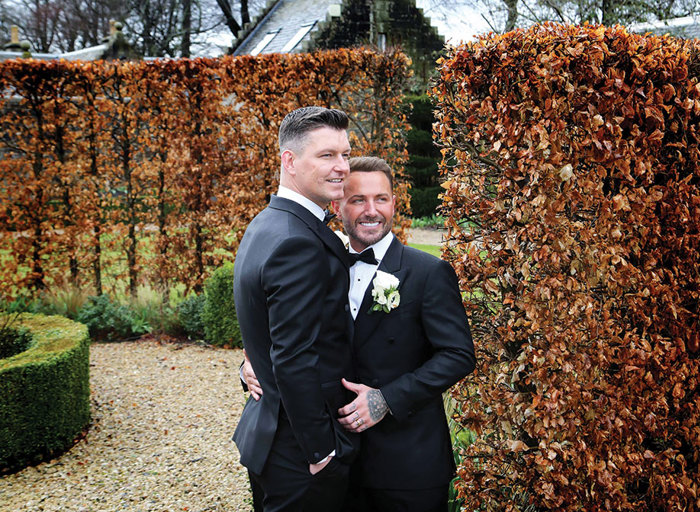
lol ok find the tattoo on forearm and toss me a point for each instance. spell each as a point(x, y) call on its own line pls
point(377, 405)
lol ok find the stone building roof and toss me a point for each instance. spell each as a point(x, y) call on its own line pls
point(292, 26)
point(687, 27)
point(114, 46)
point(91, 53)
point(285, 25)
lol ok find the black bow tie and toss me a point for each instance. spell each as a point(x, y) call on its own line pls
point(367, 256)
point(328, 216)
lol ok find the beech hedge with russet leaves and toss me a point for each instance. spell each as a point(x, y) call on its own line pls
point(114, 173)
point(572, 166)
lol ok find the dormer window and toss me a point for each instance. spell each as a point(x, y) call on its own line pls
point(264, 42)
point(294, 41)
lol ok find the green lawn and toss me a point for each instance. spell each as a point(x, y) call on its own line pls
point(435, 250)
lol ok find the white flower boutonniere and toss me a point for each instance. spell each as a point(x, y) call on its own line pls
point(385, 292)
point(343, 238)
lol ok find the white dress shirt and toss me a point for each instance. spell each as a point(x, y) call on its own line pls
point(307, 203)
point(361, 273)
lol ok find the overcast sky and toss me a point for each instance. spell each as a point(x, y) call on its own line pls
point(454, 24)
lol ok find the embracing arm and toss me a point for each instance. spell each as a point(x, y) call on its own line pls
point(249, 381)
point(447, 331)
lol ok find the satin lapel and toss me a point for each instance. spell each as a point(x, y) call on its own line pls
point(334, 243)
point(366, 321)
point(329, 239)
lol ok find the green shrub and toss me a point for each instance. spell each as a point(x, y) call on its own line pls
point(110, 320)
point(434, 221)
point(425, 201)
point(421, 142)
point(149, 311)
point(422, 165)
point(20, 304)
point(219, 312)
point(44, 391)
point(423, 171)
point(12, 341)
point(189, 313)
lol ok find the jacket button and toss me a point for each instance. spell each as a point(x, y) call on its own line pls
point(391, 340)
point(375, 382)
point(347, 307)
point(317, 455)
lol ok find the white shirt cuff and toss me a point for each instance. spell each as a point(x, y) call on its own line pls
point(324, 459)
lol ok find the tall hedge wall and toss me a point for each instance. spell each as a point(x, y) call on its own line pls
point(116, 172)
point(572, 158)
point(44, 391)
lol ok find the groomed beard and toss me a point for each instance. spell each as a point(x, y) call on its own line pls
point(351, 230)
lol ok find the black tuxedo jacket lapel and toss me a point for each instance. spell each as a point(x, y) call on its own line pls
point(269, 286)
point(330, 239)
point(366, 320)
point(327, 236)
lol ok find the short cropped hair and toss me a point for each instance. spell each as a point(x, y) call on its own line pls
point(298, 123)
point(371, 164)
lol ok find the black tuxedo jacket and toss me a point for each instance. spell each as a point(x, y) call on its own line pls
point(412, 354)
point(291, 294)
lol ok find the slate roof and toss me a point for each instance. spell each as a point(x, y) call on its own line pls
point(284, 25)
point(687, 27)
point(293, 26)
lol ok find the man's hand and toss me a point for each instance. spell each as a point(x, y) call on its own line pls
point(315, 468)
point(250, 379)
point(368, 409)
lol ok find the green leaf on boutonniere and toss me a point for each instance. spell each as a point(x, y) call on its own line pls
point(385, 292)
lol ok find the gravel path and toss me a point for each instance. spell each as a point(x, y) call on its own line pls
point(160, 438)
point(426, 236)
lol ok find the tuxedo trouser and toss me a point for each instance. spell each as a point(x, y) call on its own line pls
point(364, 499)
point(287, 484)
point(257, 493)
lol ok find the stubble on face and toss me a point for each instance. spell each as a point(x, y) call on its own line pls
point(367, 208)
point(363, 231)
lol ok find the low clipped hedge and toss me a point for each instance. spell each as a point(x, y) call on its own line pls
point(44, 391)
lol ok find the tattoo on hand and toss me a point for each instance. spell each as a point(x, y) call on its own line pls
point(377, 405)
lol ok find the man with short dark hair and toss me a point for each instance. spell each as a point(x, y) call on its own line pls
point(290, 287)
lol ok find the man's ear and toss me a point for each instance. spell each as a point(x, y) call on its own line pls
point(336, 209)
point(288, 158)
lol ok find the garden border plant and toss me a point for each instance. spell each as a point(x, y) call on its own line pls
point(44, 391)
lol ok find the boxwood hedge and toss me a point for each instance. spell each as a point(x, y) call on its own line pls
point(44, 391)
